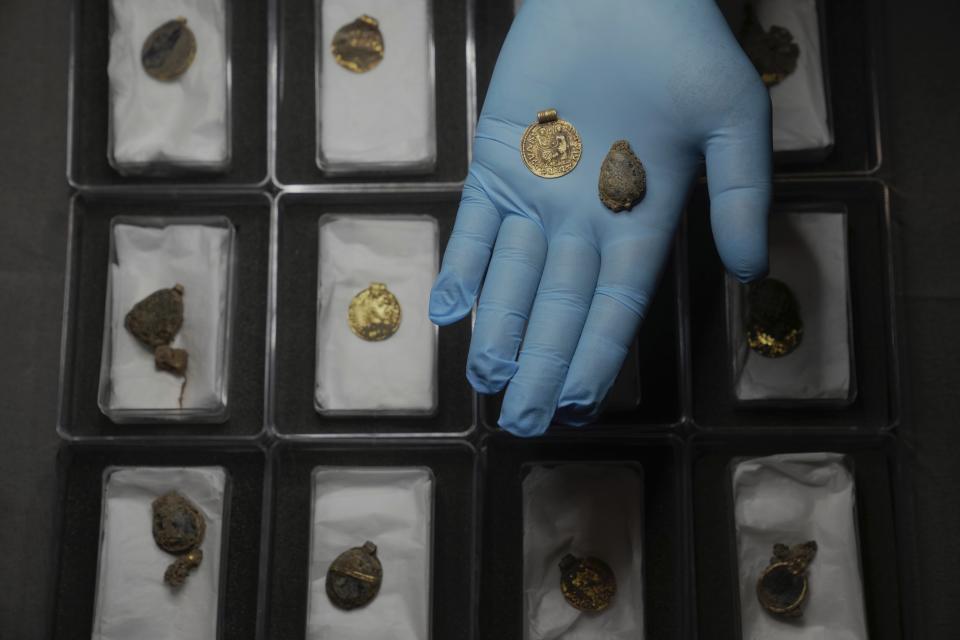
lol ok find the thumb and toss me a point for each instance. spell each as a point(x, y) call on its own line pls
point(739, 169)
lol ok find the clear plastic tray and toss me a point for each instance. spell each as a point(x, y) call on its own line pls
point(295, 157)
point(86, 297)
point(876, 406)
point(883, 507)
point(293, 358)
point(80, 472)
point(89, 148)
point(813, 277)
point(216, 412)
point(454, 467)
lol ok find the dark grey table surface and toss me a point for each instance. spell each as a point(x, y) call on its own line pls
point(922, 135)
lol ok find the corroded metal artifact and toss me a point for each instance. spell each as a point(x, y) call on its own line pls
point(623, 180)
point(550, 147)
point(178, 529)
point(358, 46)
point(155, 321)
point(773, 52)
point(169, 50)
point(354, 578)
point(374, 313)
point(783, 588)
point(587, 584)
point(774, 325)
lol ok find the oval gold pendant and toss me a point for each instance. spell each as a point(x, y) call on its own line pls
point(169, 50)
point(774, 322)
point(550, 147)
point(358, 46)
point(783, 588)
point(354, 578)
point(587, 584)
point(374, 313)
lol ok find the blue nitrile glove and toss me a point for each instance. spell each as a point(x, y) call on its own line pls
point(565, 276)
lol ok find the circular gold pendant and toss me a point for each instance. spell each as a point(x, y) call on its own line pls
point(169, 50)
point(358, 46)
point(374, 313)
point(587, 584)
point(782, 588)
point(354, 578)
point(550, 147)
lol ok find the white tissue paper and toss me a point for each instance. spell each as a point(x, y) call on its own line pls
point(152, 258)
point(800, 119)
point(183, 122)
point(393, 375)
point(132, 600)
point(384, 118)
point(586, 510)
point(391, 507)
point(808, 251)
point(793, 498)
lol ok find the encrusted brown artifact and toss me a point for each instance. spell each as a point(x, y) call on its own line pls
point(374, 313)
point(169, 50)
point(178, 529)
point(155, 321)
point(354, 578)
point(623, 180)
point(783, 588)
point(774, 324)
point(773, 52)
point(587, 584)
point(550, 147)
point(358, 46)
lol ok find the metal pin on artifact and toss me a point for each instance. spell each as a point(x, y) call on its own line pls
point(550, 147)
point(782, 588)
point(178, 529)
point(354, 577)
point(587, 584)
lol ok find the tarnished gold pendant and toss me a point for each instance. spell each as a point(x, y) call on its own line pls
point(178, 529)
point(374, 313)
point(782, 588)
point(169, 50)
point(550, 147)
point(623, 180)
point(358, 46)
point(354, 578)
point(774, 324)
point(587, 584)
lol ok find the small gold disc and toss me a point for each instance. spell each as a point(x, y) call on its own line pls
point(358, 46)
point(550, 147)
point(169, 50)
point(374, 313)
point(587, 584)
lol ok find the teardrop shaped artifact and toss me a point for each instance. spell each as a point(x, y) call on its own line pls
point(623, 180)
point(156, 319)
point(774, 322)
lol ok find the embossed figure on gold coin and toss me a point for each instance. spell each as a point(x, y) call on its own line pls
point(169, 50)
point(782, 588)
point(358, 46)
point(587, 584)
point(550, 147)
point(374, 313)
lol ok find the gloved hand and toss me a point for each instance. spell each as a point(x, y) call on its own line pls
point(565, 276)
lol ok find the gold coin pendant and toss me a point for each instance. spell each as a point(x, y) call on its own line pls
point(358, 46)
point(550, 147)
point(374, 313)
